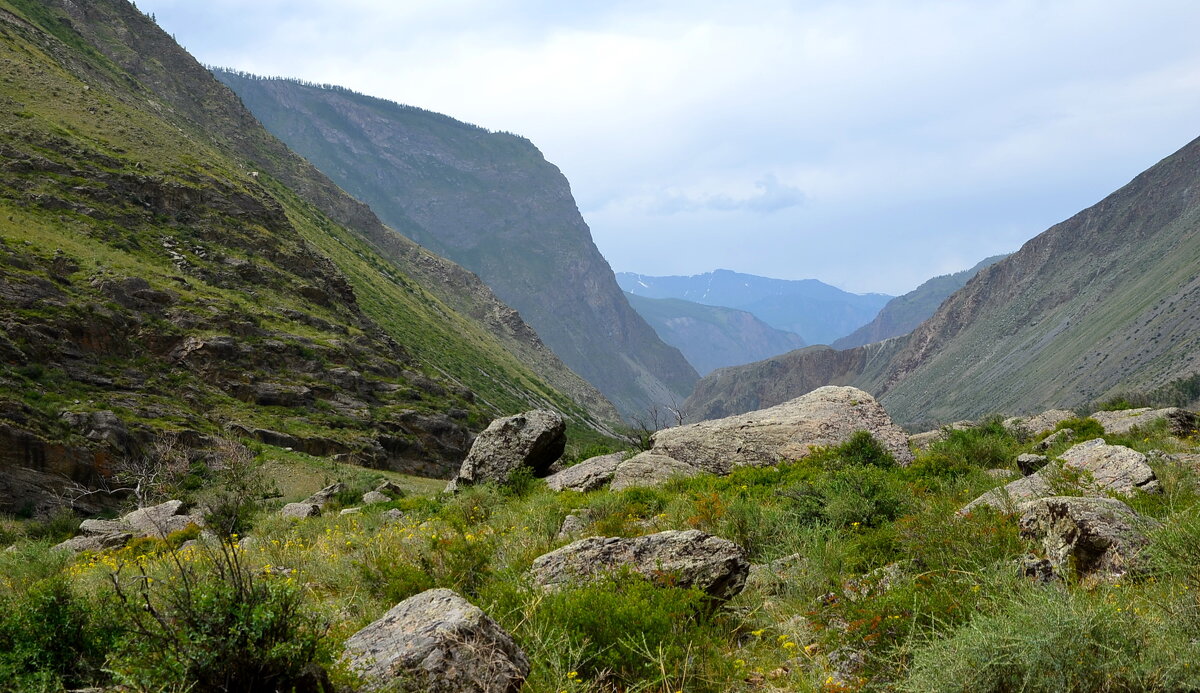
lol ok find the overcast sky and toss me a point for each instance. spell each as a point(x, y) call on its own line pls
point(868, 144)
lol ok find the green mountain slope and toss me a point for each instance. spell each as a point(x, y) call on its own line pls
point(712, 337)
point(490, 202)
point(902, 314)
point(1104, 302)
point(151, 272)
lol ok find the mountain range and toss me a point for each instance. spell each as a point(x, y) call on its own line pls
point(490, 202)
point(816, 311)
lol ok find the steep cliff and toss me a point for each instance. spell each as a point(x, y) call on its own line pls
point(490, 202)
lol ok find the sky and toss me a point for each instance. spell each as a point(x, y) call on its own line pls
point(871, 144)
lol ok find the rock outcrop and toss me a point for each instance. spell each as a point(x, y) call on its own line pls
point(437, 641)
point(534, 439)
point(156, 521)
point(589, 475)
point(789, 431)
point(1180, 422)
point(689, 558)
point(1099, 538)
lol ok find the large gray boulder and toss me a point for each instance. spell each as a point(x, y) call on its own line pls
point(589, 475)
point(1113, 468)
point(649, 469)
point(826, 416)
point(534, 439)
point(1180, 422)
point(689, 558)
point(1100, 538)
point(437, 641)
point(160, 520)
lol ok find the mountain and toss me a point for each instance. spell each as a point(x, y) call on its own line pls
point(1103, 303)
point(491, 202)
point(902, 314)
point(816, 311)
point(712, 337)
point(168, 267)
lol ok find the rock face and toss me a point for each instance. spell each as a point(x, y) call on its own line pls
point(1099, 537)
point(690, 558)
point(589, 475)
point(649, 469)
point(1114, 468)
point(825, 416)
point(439, 642)
point(1179, 421)
point(534, 439)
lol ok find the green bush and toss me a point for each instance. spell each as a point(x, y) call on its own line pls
point(986, 446)
point(850, 497)
point(860, 450)
point(1085, 428)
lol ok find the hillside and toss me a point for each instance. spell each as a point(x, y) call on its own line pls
point(711, 337)
point(167, 266)
point(1103, 303)
point(491, 202)
point(902, 314)
point(816, 311)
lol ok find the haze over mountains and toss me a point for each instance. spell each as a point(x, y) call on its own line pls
point(490, 202)
point(816, 311)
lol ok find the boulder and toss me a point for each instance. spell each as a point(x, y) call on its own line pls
point(1099, 537)
point(94, 542)
point(371, 497)
point(571, 526)
point(1064, 436)
point(1180, 422)
point(160, 520)
point(683, 558)
point(589, 475)
point(439, 642)
point(1039, 423)
point(1029, 463)
point(392, 489)
point(1114, 468)
point(534, 439)
point(1007, 497)
point(826, 416)
point(326, 494)
point(649, 469)
point(300, 511)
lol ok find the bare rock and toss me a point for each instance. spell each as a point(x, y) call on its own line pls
point(371, 497)
point(160, 520)
point(826, 416)
point(534, 439)
point(571, 526)
point(1039, 423)
point(685, 558)
point(394, 515)
point(392, 489)
point(94, 542)
point(1114, 468)
point(301, 511)
point(1180, 422)
point(649, 469)
point(1099, 537)
point(589, 475)
point(1007, 497)
point(1029, 463)
point(350, 511)
point(101, 527)
point(1062, 436)
point(439, 642)
point(320, 498)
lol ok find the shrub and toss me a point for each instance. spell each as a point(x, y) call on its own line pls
point(850, 497)
point(989, 445)
point(860, 450)
point(1085, 428)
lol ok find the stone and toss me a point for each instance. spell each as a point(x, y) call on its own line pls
point(392, 489)
point(1029, 463)
point(350, 511)
point(1180, 422)
point(393, 515)
point(437, 641)
point(826, 416)
point(1001, 474)
point(589, 475)
point(1039, 423)
point(1100, 538)
point(100, 527)
point(688, 558)
point(1114, 468)
point(1063, 436)
point(300, 511)
point(922, 441)
point(1007, 497)
point(326, 494)
point(94, 542)
point(534, 439)
point(371, 497)
point(160, 520)
point(572, 525)
point(649, 469)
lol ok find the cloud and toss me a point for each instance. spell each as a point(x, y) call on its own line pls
point(771, 196)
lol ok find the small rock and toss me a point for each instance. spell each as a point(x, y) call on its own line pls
point(372, 497)
point(392, 489)
point(589, 475)
point(572, 525)
point(649, 469)
point(1100, 538)
point(320, 498)
point(1039, 423)
point(1062, 436)
point(1001, 474)
point(300, 511)
point(437, 641)
point(690, 558)
point(350, 511)
point(1009, 496)
point(94, 542)
point(394, 515)
point(1028, 463)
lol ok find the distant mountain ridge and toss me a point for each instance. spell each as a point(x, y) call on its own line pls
point(491, 202)
point(904, 313)
point(816, 311)
point(1105, 302)
point(713, 337)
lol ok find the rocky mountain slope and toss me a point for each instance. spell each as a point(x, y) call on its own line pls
point(902, 314)
point(712, 337)
point(490, 202)
point(168, 266)
point(1105, 302)
point(816, 311)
